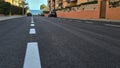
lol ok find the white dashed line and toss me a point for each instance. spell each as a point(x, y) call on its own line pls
point(112, 25)
point(32, 20)
point(32, 31)
point(32, 57)
point(32, 17)
point(32, 25)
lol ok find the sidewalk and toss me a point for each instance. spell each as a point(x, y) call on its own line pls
point(102, 21)
point(105, 20)
point(9, 17)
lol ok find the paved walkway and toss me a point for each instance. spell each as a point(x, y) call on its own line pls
point(104, 20)
point(107, 20)
point(8, 17)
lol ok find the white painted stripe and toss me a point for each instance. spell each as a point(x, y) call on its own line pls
point(32, 25)
point(112, 25)
point(32, 57)
point(32, 20)
point(32, 31)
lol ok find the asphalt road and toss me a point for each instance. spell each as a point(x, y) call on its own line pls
point(63, 43)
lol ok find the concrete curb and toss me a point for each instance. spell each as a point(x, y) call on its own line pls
point(116, 22)
point(2, 18)
point(104, 20)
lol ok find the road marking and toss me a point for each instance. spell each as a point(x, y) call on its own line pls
point(89, 22)
point(32, 57)
point(32, 31)
point(32, 25)
point(112, 25)
point(32, 20)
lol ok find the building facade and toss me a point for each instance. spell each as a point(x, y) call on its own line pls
point(59, 4)
point(14, 2)
point(93, 9)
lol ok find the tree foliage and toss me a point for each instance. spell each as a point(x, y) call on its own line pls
point(6, 9)
point(43, 6)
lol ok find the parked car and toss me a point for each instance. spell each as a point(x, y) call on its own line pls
point(29, 14)
point(42, 14)
point(52, 14)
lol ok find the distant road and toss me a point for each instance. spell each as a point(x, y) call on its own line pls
point(42, 42)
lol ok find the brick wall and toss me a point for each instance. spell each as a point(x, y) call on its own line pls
point(92, 14)
point(113, 13)
point(46, 15)
point(88, 12)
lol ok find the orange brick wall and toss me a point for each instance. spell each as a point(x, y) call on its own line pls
point(113, 13)
point(91, 14)
point(94, 14)
point(46, 15)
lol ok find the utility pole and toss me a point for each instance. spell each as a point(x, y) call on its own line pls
point(23, 6)
point(23, 3)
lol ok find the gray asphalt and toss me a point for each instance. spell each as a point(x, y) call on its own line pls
point(13, 40)
point(63, 43)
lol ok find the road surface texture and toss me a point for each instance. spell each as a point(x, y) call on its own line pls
point(62, 43)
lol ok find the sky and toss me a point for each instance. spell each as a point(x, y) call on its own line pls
point(35, 4)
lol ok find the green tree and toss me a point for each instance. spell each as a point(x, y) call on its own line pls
point(43, 6)
point(4, 8)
